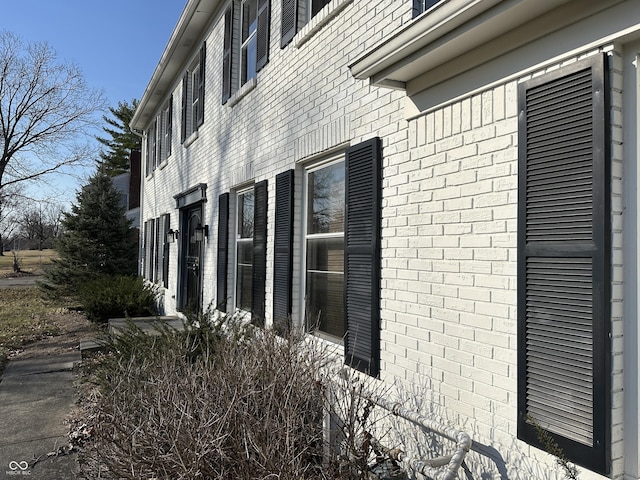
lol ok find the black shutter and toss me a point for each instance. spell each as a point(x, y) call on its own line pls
point(170, 126)
point(165, 251)
point(362, 256)
point(283, 255)
point(201, 80)
point(184, 113)
point(289, 21)
point(226, 54)
point(259, 253)
point(223, 251)
point(563, 261)
point(262, 47)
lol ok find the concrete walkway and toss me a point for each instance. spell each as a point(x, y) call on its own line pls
point(36, 395)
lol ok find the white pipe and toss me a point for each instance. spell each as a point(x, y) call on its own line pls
point(428, 467)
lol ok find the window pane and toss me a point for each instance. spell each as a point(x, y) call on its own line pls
point(245, 215)
point(249, 18)
point(325, 305)
point(249, 60)
point(325, 254)
point(326, 200)
point(243, 287)
point(245, 252)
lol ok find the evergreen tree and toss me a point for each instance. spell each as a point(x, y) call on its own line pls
point(114, 158)
point(97, 239)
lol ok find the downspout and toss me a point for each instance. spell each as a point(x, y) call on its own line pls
point(430, 468)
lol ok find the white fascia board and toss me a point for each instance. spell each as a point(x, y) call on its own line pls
point(442, 34)
point(191, 27)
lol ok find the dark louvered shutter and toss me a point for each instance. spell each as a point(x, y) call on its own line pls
point(259, 253)
point(563, 261)
point(262, 47)
point(166, 222)
point(223, 251)
point(226, 54)
point(169, 121)
point(183, 112)
point(362, 256)
point(283, 255)
point(201, 81)
point(289, 24)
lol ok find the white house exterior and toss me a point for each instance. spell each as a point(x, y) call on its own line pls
point(451, 186)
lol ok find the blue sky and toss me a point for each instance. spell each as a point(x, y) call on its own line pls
point(116, 43)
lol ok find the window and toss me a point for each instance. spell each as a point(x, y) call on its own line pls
point(421, 6)
point(249, 27)
point(244, 249)
point(342, 242)
point(563, 261)
point(246, 43)
point(160, 148)
point(193, 88)
point(250, 244)
point(152, 148)
point(149, 267)
point(297, 13)
point(324, 278)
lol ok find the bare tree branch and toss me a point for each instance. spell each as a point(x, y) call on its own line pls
point(46, 109)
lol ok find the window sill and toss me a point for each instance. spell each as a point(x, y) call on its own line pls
point(190, 139)
point(164, 163)
point(328, 13)
point(242, 92)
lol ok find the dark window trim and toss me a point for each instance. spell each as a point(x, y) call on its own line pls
point(598, 456)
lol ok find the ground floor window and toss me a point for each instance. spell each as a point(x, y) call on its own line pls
point(244, 249)
point(324, 279)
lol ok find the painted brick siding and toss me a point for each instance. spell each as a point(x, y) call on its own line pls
point(449, 215)
point(449, 275)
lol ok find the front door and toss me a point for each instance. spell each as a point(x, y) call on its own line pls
point(191, 261)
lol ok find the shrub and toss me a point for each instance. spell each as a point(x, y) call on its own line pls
point(217, 401)
point(117, 296)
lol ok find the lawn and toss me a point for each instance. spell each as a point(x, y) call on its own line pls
point(25, 317)
point(32, 261)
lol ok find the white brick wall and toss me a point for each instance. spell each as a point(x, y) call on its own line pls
point(449, 218)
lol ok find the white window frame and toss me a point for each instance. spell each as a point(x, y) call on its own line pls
point(165, 140)
point(246, 44)
point(236, 243)
point(311, 168)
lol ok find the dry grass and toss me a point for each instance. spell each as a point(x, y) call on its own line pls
point(32, 261)
point(25, 317)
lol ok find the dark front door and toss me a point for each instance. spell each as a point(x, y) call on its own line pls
point(191, 261)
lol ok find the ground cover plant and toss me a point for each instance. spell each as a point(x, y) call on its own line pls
point(25, 317)
point(221, 401)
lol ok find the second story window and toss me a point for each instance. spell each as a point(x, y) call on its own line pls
point(249, 39)
point(421, 6)
point(246, 43)
point(193, 87)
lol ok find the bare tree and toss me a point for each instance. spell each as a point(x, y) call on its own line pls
point(10, 202)
point(45, 109)
point(40, 224)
